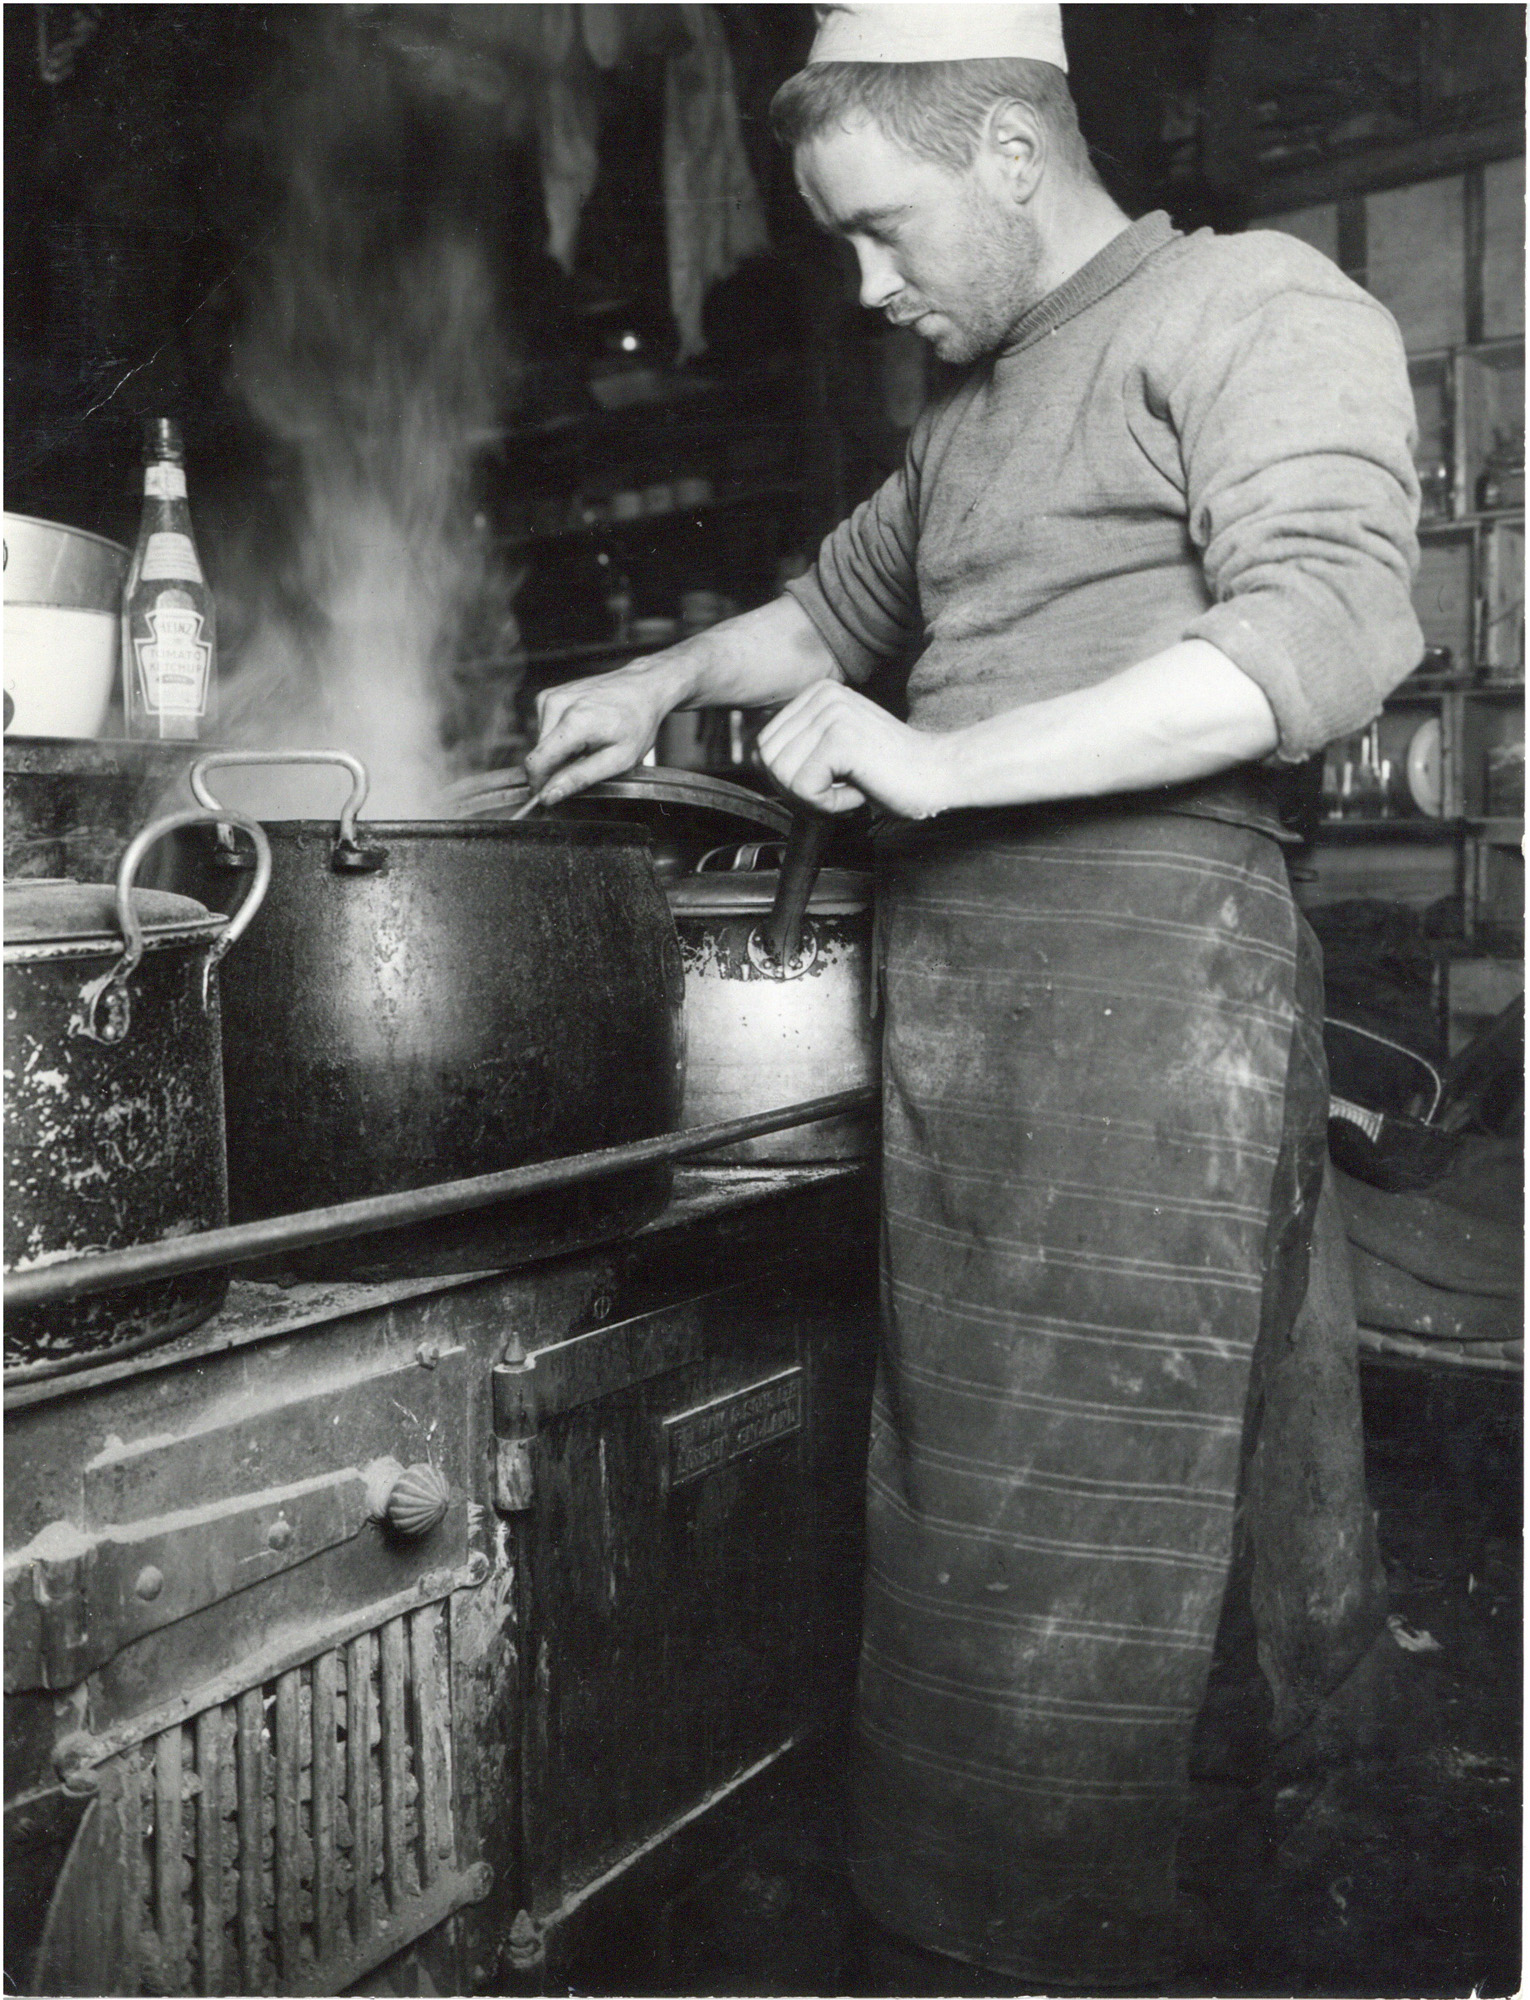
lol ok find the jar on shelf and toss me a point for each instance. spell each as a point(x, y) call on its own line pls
point(1434, 482)
point(1502, 481)
point(1504, 780)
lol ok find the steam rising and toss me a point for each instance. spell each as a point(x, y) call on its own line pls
point(372, 354)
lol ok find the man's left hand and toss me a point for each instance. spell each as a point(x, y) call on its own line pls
point(835, 749)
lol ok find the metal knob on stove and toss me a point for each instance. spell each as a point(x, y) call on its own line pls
point(411, 1501)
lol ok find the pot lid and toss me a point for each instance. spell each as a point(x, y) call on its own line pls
point(56, 910)
point(495, 793)
point(751, 893)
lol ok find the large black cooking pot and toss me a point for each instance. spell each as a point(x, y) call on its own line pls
point(113, 1094)
point(430, 1000)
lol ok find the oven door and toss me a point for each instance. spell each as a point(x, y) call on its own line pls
point(686, 1508)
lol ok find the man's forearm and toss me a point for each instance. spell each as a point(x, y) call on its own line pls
point(1183, 714)
point(756, 660)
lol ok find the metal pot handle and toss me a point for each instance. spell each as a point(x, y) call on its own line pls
point(106, 1008)
point(350, 854)
point(741, 859)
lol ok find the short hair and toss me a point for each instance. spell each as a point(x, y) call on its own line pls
point(934, 110)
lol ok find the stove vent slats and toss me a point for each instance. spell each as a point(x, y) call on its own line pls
point(135, 1872)
point(284, 1841)
point(361, 1657)
point(290, 1841)
point(395, 1767)
point(250, 1836)
point(430, 1736)
point(211, 1850)
point(170, 1872)
point(326, 1801)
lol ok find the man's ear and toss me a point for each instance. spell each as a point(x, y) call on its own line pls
point(1016, 140)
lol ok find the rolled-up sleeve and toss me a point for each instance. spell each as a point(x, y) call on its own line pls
point(862, 593)
point(1296, 426)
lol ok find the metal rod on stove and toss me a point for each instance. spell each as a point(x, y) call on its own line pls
point(243, 1242)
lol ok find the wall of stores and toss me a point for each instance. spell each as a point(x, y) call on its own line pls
point(622, 488)
point(1426, 808)
point(623, 491)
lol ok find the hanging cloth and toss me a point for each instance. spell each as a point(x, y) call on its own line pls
point(715, 219)
point(568, 129)
point(605, 32)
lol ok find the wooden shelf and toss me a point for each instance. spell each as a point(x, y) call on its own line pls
point(1498, 345)
point(746, 497)
point(679, 392)
point(591, 653)
point(1461, 524)
point(1373, 166)
point(99, 756)
point(1498, 832)
point(1346, 831)
point(1431, 690)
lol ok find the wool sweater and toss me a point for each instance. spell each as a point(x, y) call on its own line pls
point(1194, 437)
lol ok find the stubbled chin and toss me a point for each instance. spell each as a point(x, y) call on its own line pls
point(948, 343)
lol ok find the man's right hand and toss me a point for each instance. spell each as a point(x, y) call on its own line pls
point(601, 727)
point(596, 728)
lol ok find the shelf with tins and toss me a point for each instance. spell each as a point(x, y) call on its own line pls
point(1444, 253)
point(1445, 759)
point(1469, 402)
point(1470, 406)
point(1397, 778)
point(622, 517)
point(653, 398)
point(1437, 763)
point(660, 507)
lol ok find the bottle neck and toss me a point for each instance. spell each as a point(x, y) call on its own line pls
point(164, 481)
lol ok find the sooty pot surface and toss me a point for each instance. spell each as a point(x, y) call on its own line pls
point(441, 999)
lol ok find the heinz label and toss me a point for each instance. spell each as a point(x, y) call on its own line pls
point(173, 662)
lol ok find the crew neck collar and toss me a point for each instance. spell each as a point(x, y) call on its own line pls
point(1108, 268)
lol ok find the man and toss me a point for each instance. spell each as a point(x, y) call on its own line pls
point(1158, 534)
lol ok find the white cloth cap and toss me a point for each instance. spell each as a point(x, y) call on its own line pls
point(910, 33)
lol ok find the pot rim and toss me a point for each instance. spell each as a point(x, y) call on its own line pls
point(42, 557)
point(50, 916)
point(66, 528)
point(742, 896)
point(486, 794)
point(105, 944)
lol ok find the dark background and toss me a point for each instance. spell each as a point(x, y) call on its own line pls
point(140, 189)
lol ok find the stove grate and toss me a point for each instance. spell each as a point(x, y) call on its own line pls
point(286, 1840)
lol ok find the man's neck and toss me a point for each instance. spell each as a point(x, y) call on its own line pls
point(1076, 220)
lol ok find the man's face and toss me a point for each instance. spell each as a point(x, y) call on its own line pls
point(944, 252)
